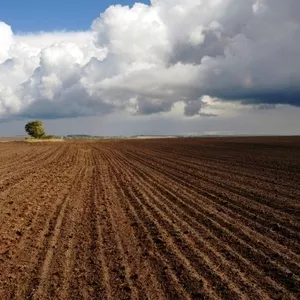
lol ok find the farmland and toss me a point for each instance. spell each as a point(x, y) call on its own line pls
point(210, 218)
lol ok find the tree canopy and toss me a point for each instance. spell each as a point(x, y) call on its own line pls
point(35, 129)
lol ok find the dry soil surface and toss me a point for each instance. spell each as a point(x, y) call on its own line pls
point(214, 218)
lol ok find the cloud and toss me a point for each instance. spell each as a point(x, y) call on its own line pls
point(6, 40)
point(144, 59)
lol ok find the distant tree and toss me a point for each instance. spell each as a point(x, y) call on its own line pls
point(35, 129)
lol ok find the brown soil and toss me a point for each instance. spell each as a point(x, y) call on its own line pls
point(213, 218)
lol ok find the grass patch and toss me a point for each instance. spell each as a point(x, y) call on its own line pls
point(43, 139)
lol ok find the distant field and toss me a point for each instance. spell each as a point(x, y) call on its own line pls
point(11, 138)
point(207, 218)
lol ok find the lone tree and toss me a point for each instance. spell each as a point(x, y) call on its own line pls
point(35, 129)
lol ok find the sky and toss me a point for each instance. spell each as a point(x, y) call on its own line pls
point(187, 67)
point(54, 15)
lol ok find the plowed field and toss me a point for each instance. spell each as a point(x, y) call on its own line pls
point(213, 218)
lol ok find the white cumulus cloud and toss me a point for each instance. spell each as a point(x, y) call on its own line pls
point(147, 58)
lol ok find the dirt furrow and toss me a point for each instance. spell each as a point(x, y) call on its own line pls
point(164, 270)
point(283, 266)
point(73, 270)
point(43, 279)
point(169, 241)
point(32, 234)
point(150, 219)
point(30, 188)
point(194, 224)
point(136, 270)
point(220, 199)
point(265, 182)
point(257, 204)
